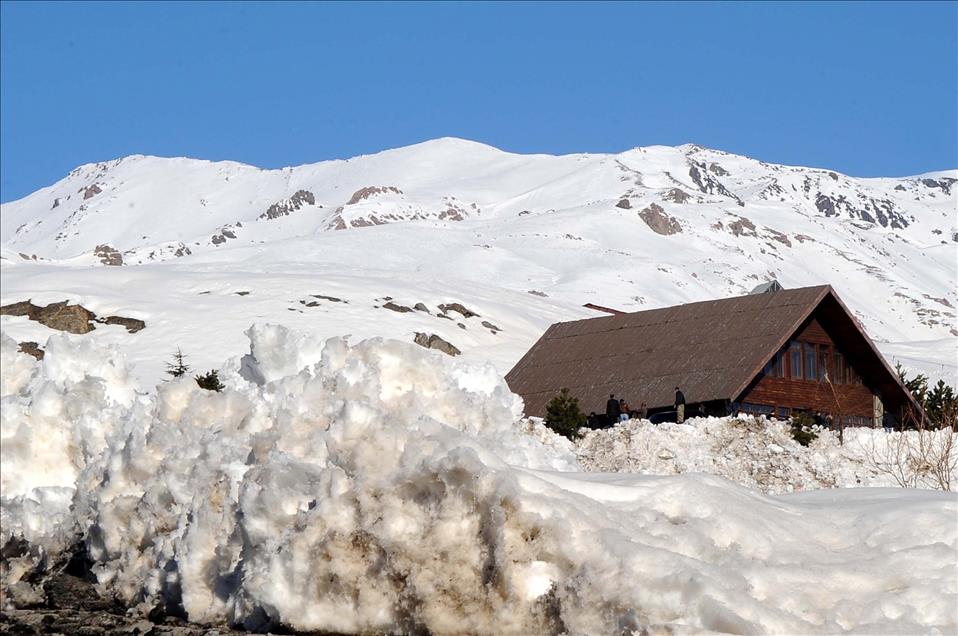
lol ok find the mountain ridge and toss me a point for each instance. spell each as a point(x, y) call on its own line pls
point(450, 220)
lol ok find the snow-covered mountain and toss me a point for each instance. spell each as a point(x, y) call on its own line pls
point(199, 250)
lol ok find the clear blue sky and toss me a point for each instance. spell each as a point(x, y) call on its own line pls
point(867, 88)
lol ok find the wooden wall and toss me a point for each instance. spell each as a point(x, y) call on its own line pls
point(855, 399)
point(845, 399)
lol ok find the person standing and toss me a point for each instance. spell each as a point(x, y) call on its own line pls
point(679, 405)
point(888, 421)
point(623, 410)
point(643, 411)
point(612, 410)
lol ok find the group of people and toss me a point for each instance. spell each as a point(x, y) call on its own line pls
point(618, 410)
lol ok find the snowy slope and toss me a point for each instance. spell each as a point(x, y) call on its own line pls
point(522, 240)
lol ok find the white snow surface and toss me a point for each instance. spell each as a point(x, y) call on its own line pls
point(756, 452)
point(522, 240)
point(381, 487)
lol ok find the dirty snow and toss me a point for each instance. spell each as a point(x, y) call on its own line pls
point(378, 486)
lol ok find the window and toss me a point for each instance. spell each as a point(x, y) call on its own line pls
point(823, 363)
point(811, 370)
point(775, 368)
point(795, 359)
point(757, 409)
point(838, 368)
point(850, 376)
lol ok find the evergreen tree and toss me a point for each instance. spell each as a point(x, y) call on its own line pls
point(210, 381)
point(178, 368)
point(564, 416)
point(802, 428)
point(941, 403)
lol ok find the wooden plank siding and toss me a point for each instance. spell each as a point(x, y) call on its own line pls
point(853, 399)
point(791, 392)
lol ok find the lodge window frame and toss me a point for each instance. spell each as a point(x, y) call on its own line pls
point(826, 358)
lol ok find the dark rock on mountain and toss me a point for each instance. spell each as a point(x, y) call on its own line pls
point(708, 184)
point(66, 317)
point(90, 191)
point(284, 208)
point(398, 308)
point(677, 195)
point(432, 341)
point(61, 316)
point(466, 313)
point(659, 220)
point(108, 254)
point(491, 327)
point(132, 325)
point(624, 203)
point(32, 349)
point(718, 170)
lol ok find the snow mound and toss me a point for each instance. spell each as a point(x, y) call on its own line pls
point(756, 452)
point(386, 488)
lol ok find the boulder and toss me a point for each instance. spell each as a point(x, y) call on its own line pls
point(659, 220)
point(432, 341)
point(466, 313)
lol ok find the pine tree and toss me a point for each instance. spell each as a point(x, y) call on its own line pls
point(941, 403)
point(210, 381)
point(802, 431)
point(564, 416)
point(178, 368)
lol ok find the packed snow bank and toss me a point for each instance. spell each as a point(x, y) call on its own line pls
point(761, 453)
point(386, 488)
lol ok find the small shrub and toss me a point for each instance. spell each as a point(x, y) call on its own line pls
point(802, 428)
point(178, 368)
point(564, 416)
point(210, 381)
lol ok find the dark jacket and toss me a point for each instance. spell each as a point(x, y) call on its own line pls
point(612, 408)
point(888, 420)
point(679, 398)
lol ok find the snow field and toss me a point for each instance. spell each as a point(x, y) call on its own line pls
point(379, 486)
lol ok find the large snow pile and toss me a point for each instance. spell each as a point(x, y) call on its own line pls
point(761, 453)
point(380, 487)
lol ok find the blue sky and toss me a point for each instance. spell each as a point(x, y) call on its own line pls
point(864, 88)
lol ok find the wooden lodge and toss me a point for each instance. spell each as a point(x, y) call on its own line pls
point(766, 353)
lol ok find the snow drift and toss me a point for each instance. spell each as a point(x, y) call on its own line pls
point(382, 487)
point(761, 454)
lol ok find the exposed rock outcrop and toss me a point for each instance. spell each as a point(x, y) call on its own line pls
point(466, 313)
point(225, 233)
point(90, 191)
point(624, 203)
point(397, 308)
point(108, 254)
point(132, 325)
point(63, 316)
point(677, 195)
point(432, 341)
point(299, 199)
point(660, 221)
point(709, 184)
point(718, 170)
point(364, 193)
point(32, 349)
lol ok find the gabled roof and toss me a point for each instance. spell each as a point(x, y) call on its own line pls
point(713, 350)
